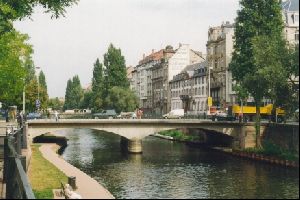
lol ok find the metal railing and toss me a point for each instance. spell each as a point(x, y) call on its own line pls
point(17, 184)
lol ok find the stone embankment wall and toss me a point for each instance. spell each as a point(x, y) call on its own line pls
point(284, 135)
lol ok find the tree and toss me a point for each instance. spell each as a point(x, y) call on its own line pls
point(280, 67)
point(67, 104)
point(122, 99)
point(42, 80)
point(87, 100)
point(255, 18)
point(18, 9)
point(55, 104)
point(31, 94)
point(14, 55)
point(97, 86)
point(74, 94)
point(115, 68)
point(43, 90)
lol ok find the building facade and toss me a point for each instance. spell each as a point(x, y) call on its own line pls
point(290, 14)
point(189, 89)
point(219, 53)
point(141, 81)
point(164, 72)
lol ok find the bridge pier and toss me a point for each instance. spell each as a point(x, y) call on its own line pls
point(131, 145)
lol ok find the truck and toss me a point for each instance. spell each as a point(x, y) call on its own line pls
point(266, 112)
point(248, 112)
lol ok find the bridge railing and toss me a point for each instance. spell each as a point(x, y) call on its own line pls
point(17, 184)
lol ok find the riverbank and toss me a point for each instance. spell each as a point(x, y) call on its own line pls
point(87, 187)
point(239, 153)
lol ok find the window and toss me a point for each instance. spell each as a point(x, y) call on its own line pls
point(296, 18)
point(297, 36)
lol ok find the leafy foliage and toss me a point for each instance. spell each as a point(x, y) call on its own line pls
point(110, 87)
point(97, 86)
point(115, 66)
point(55, 104)
point(74, 94)
point(122, 99)
point(257, 21)
point(14, 54)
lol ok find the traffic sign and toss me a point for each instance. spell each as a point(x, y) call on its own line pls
point(209, 101)
point(37, 103)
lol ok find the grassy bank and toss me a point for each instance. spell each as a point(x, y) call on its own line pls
point(43, 175)
point(270, 149)
point(180, 136)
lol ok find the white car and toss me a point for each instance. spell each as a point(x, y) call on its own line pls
point(174, 114)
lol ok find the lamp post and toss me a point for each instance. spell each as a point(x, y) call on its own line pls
point(38, 82)
point(24, 99)
point(209, 97)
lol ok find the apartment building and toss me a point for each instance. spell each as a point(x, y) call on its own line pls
point(189, 89)
point(164, 72)
point(219, 53)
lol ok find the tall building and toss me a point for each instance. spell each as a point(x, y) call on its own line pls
point(189, 89)
point(142, 76)
point(163, 73)
point(219, 53)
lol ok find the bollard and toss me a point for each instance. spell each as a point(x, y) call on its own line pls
point(72, 182)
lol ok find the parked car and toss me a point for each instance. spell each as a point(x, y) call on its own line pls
point(222, 116)
point(127, 115)
point(33, 116)
point(174, 114)
point(106, 114)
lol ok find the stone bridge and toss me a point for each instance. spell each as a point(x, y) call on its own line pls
point(135, 130)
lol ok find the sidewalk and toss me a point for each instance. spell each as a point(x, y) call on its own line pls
point(88, 188)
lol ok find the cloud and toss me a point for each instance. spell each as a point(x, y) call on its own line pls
point(68, 46)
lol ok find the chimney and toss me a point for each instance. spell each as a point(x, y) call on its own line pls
point(152, 50)
point(180, 44)
point(144, 56)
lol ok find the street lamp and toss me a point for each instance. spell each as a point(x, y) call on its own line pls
point(24, 98)
point(38, 82)
point(209, 97)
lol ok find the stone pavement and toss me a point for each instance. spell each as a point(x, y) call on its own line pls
point(87, 187)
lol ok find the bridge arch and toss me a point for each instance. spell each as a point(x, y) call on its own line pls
point(133, 131)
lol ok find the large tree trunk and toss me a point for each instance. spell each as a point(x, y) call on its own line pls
point(257, 126)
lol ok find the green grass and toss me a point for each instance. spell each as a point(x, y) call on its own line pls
point(271, 149)
point(179, 135)
point(43, 175)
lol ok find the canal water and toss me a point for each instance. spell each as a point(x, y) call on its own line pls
point(174, 170)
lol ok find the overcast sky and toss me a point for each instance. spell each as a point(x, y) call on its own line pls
point(69, 46)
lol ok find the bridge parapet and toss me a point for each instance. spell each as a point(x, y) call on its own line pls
point(135, 130)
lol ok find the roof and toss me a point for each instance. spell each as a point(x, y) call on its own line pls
point(192, 67)
point(290, 5)
point(189, 71)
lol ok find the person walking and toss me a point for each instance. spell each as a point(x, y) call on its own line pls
point(56, 116)
point(139, 113)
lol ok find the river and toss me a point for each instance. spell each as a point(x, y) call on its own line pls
point(174, 170)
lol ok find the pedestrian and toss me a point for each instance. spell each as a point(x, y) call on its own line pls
point(6, 115)
point(20, 119)
point(56, 116)
point(139, 113)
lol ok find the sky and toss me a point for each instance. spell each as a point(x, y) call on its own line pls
point(70, 45)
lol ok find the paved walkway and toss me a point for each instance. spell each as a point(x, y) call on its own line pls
point(88, 188)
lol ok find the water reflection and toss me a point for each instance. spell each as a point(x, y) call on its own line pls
point(173, 170)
